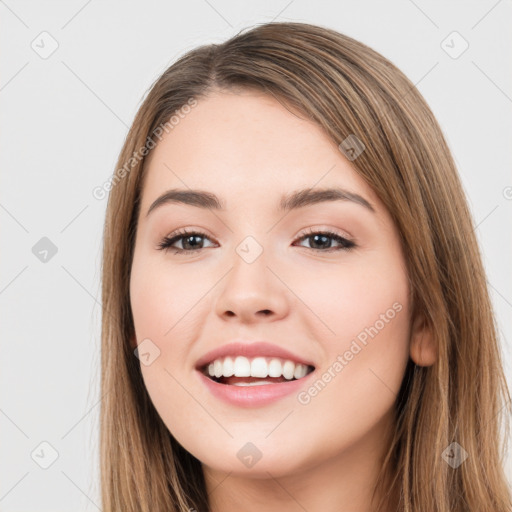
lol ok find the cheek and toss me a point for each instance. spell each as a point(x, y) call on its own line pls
point(365, 358)
point(360, 380)
point(163, 305)
point(163, 297)
point(363, 307)
point(350, 296)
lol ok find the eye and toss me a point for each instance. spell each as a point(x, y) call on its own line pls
point(189, 240)
point(321, 238)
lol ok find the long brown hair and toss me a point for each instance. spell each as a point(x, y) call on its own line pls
point(348, 89)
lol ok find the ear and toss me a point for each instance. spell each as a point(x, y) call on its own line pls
point(133, 343)
point(422, 347)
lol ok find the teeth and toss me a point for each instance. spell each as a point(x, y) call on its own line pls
point(217, 368)
point(260, 367)
point(275, 368)
point(288, 370)
point(228, 368)
point(242, 367)
point(257, 383)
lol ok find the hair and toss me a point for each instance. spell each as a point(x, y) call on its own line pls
point(346, 88)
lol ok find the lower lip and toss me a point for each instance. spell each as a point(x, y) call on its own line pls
point(254, 396)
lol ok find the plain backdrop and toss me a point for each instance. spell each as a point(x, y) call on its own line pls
point(72, 76)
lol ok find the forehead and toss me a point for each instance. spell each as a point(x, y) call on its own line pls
point(247, 146)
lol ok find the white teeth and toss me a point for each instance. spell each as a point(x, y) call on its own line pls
point(288, 369)
point(242, 367)
point(228, 367)
point(217, 368)
point(300, 371)
point(275, 368)
point(260, 367)
point(256, 383)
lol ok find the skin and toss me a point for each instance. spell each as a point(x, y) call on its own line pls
point(248, 149)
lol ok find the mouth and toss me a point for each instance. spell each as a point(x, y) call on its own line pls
point(256, 371)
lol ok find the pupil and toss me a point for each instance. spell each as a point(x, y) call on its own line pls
point(191, 237)
point(325, 238)
point(321, 240)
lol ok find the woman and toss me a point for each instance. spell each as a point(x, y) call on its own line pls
point(295, 311)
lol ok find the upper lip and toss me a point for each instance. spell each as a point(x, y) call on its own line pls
point(250, 349)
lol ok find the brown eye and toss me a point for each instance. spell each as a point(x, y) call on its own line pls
point(191, 241)
point(322, 241)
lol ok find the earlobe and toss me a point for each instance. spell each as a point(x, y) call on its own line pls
point(422, 347)
point(133, 343)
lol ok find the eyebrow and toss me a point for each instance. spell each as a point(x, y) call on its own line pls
point(292, 201)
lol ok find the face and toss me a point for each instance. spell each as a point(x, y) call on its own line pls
point(324, 280)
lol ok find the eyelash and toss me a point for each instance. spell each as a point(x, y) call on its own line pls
point(168, 241)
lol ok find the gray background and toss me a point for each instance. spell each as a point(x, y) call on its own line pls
point(64, 119)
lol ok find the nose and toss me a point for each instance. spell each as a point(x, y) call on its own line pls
point(252, 292)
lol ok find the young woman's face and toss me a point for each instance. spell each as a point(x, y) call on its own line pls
point(258, 272)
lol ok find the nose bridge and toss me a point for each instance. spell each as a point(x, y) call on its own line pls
point(251, 235)
point(250, 287)
point(249, 267)
point(251, 249)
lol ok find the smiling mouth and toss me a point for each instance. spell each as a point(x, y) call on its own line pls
point(243, 371)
